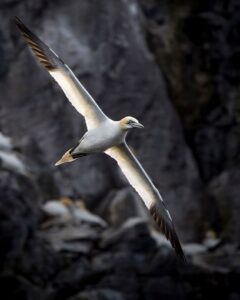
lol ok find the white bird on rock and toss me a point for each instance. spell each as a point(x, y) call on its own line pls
point(5, 143)
point(103, 135)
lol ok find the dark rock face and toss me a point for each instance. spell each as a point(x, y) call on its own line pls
point(196, 45)
point(104, 294)
point(223, 194)
point(174, 66)
point(65, 256)
point(101, 51)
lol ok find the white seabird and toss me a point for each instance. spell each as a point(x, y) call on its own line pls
point(10, 161)
point(103, 135)
point(5, 143)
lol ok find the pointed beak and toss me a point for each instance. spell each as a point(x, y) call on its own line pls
point(137, 125)
point(67, 157)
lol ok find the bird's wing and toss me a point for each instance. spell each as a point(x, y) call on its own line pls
point(143, 185)
point(73, 89)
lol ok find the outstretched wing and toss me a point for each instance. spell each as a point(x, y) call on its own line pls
point(73, 89)
point(143, 185)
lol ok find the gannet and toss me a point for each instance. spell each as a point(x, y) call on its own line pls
point(67, 209)
point(103, 135)
point(10, 161)
point(5, 143)
point(55, 208)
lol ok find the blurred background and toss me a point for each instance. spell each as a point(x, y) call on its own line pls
point(78, 231)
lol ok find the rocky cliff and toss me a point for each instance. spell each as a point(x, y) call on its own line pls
point(174, 66)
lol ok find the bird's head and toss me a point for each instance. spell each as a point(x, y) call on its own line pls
point(129, 123)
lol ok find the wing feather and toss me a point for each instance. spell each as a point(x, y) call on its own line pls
point(143, 185)
point(73, 89)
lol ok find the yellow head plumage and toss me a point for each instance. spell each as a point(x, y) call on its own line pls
point(129, 122)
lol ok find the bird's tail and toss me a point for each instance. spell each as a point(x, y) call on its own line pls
point(69, 156)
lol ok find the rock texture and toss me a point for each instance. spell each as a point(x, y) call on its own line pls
point(101, 51)
point(57, 256)
point(196, 45)
point(174, 66)
point(58, 250)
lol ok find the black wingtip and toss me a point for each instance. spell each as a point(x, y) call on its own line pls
point(43, 53)
point(168, 230)
point(178, 248)
point(19, 23)
point(17, 20)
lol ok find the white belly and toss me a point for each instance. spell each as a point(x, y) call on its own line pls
point(101, 138)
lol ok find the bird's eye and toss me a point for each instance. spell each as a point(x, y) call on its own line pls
point(130, 122)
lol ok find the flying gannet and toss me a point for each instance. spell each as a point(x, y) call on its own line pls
point(103, 135)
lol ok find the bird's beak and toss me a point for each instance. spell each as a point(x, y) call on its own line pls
point(137, 125)
point(67, 157)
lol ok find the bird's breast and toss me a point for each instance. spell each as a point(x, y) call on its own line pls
point(105, 136)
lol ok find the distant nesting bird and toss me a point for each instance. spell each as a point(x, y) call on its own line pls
point(66, 209)
point(10, 161)
point(103, 135)
point(5, 143)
